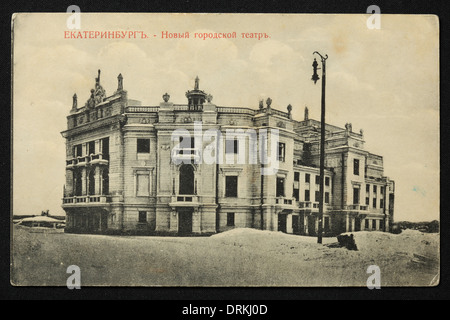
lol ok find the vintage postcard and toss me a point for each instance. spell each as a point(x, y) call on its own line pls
point(224, 150)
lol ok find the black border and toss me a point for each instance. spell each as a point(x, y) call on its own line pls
point(243, 295)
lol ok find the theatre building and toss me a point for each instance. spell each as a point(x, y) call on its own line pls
point(127, 171)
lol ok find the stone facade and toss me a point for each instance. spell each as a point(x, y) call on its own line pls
point(123, 170)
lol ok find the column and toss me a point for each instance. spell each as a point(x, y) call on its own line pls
point(353, 223)
point(173, 221)
point(305, 224)
point(316, 221)
point(84, 182)
point(98, 180)
point(289, 224)
point(196, 221)
point(347, 225)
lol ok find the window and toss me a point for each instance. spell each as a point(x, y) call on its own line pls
point(231, 184)
point(230, 219)
point(91, 147)
point(232, 146)
point(296, 194)
point(77, 151)
point(355, 195)
point(327, 197)
point(374, 203)
point(317, 196)
point(366, 223)
point(307, 198)
point(367, 187)
point(381, 203)
point(281, 151)
point(105, 148)
point(317, 179)
point(375, 189)
point(356, 167)
point(142, 184)
point(77, 180)
point(143, 145)
point(105, 181)
point(307, 177)
point(327, 181)
point(296, 176)
point(280, 187)
point(367, 201)
point(142, 216)
point(381, 190)
point(91, 188)
point(187, 143)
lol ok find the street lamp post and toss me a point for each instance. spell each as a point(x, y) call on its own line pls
point(315, 77)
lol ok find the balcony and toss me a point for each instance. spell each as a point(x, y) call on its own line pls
point(76, 201)
point(180, 154)
point(184, 200)
point(308, 205)
point(283, 200)
point(91, 159)
point(356, 207)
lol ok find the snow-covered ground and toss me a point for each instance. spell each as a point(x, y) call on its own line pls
point(240, 257)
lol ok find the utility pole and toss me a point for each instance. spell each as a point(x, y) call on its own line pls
point(315, 77)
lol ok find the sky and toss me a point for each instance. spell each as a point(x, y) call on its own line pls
point(384, 81)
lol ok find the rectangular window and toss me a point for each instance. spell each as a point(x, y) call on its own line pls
point(307, 177)
point(375, 189)
point(307, 198)
point(296, 176)
point(281, 151)
point(381, 190)
point(317, 196)
point(142, 216)
point(231, 184)
point(280, 187)
point(327, 197)
point(187, 143)
point(105, 148)
point(367, 201)
point(356, 167)
point(143, 145)
point(366, 224)
point(142, 185)
point(355, 195)
point(367, 187)
point(230, 219)
point(77, 151)
point(296, 194)
point(232, 146)
point(327, 181)
point(374, 203)
point(381, 203)
point(91, 147)
point(317, 179)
